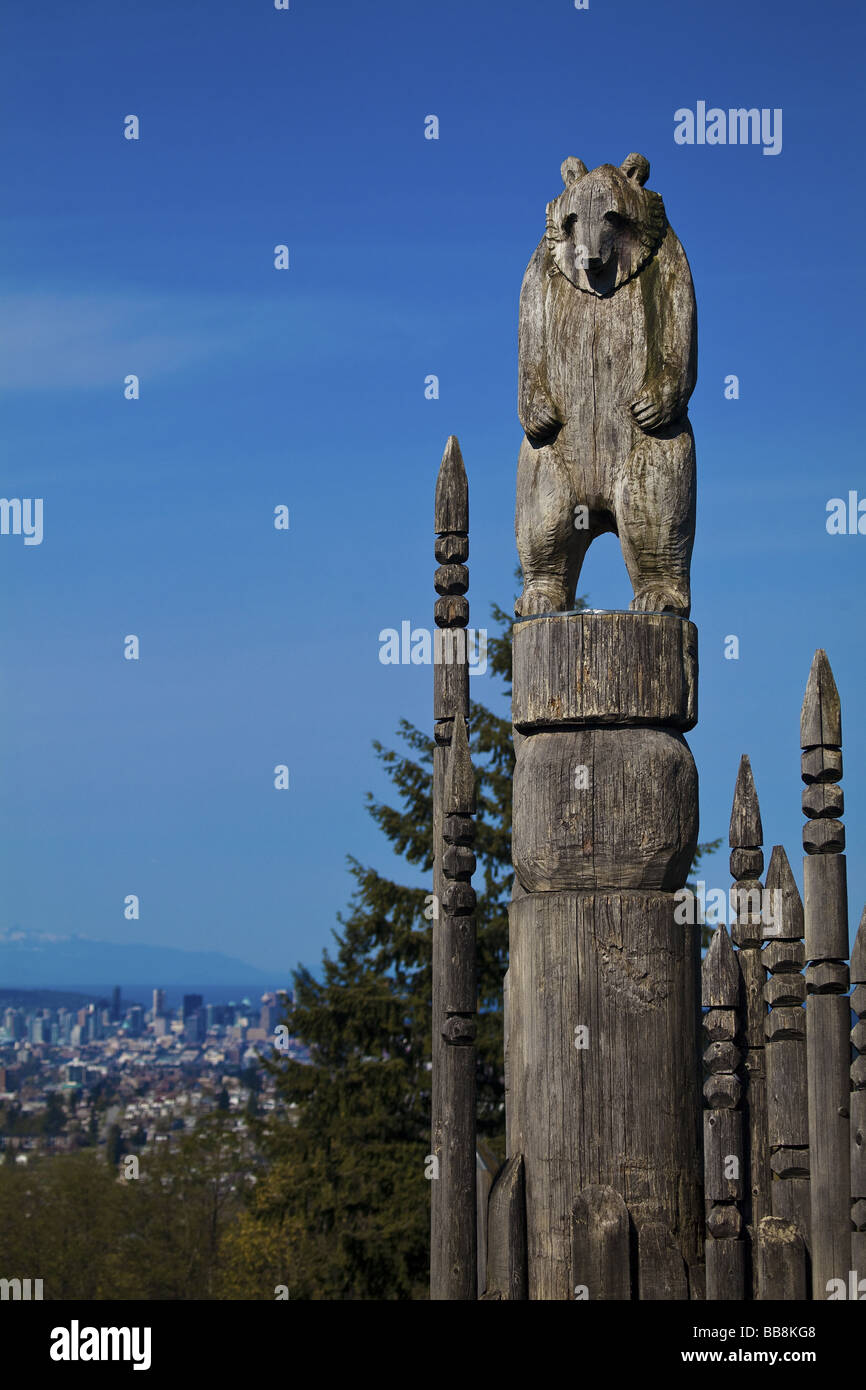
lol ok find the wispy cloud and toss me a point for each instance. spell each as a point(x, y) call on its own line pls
point(80, 341)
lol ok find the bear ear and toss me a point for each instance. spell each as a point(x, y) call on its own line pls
point(636, 167)
point(572, 169)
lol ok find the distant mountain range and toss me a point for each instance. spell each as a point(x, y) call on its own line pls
point(38, 960)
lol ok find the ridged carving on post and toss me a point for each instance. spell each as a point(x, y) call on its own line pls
point(828, 1019)
point(858, 1103)
point(724, 1169)
point(451, 581)
point(453, 1214)
point(747, 861)
point(787, 1103)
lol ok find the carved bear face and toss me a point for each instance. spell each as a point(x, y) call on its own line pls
point(606, 226)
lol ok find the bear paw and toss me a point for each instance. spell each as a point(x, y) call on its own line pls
point(659, 601)
point(540, 597)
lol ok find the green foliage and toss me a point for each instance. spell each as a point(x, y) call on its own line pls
point(70, 1221)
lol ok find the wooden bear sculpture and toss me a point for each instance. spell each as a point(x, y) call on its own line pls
point(608, 361)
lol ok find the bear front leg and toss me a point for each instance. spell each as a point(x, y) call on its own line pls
point(544, 525)
point(655, 514)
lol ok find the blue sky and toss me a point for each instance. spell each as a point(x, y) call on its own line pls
point(306, 388)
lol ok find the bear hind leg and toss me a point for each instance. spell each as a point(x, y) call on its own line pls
point(550, 549)
point(655, 510)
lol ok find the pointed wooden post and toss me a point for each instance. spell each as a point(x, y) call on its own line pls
point(785, 993)
point(724, 1170)
point(828, 1021)
point(858, 1103)
point(747, 861)
point(452, 1268)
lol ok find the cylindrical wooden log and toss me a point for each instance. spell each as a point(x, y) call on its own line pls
point(828, 1019)
point(616, 669)
point(602, 1052)
point(603, 987)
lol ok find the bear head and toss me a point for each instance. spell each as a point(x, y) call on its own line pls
point(605, 227)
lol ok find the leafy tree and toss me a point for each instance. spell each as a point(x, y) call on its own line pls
point(54, 1117)
point(114, 1146)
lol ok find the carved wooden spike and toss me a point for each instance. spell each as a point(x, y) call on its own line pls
point(452, 491)
point(460, 778)
point(787, 908)
point(821, 716)
point(746, 831)
point(453, 1250)
point(719, 975)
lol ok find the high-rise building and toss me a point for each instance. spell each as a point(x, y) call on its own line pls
point(116, 1007)
point(270, 1012)
point(158, 1003)
point(191, 1004)
point(136, 1021)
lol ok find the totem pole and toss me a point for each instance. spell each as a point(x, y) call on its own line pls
point(603, 991)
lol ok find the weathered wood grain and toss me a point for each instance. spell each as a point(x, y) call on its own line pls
point(780, 1261)
point(828, 1018)
point(821, 715)
point(607, 362)
point(785, 1052)
point(725, 1270)
point(747, 931)
point(506, 1234)
point(723, 1153)
point(486, 1169)
point(720, 974)
point(745, 830)
point(827, 1038)
point(662, 1271)
point(825, 890)
point(617, 965)
point(615, 669)
point(604, 809)
point(453, 1223)
point(451, 509)
point(601, 1246)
